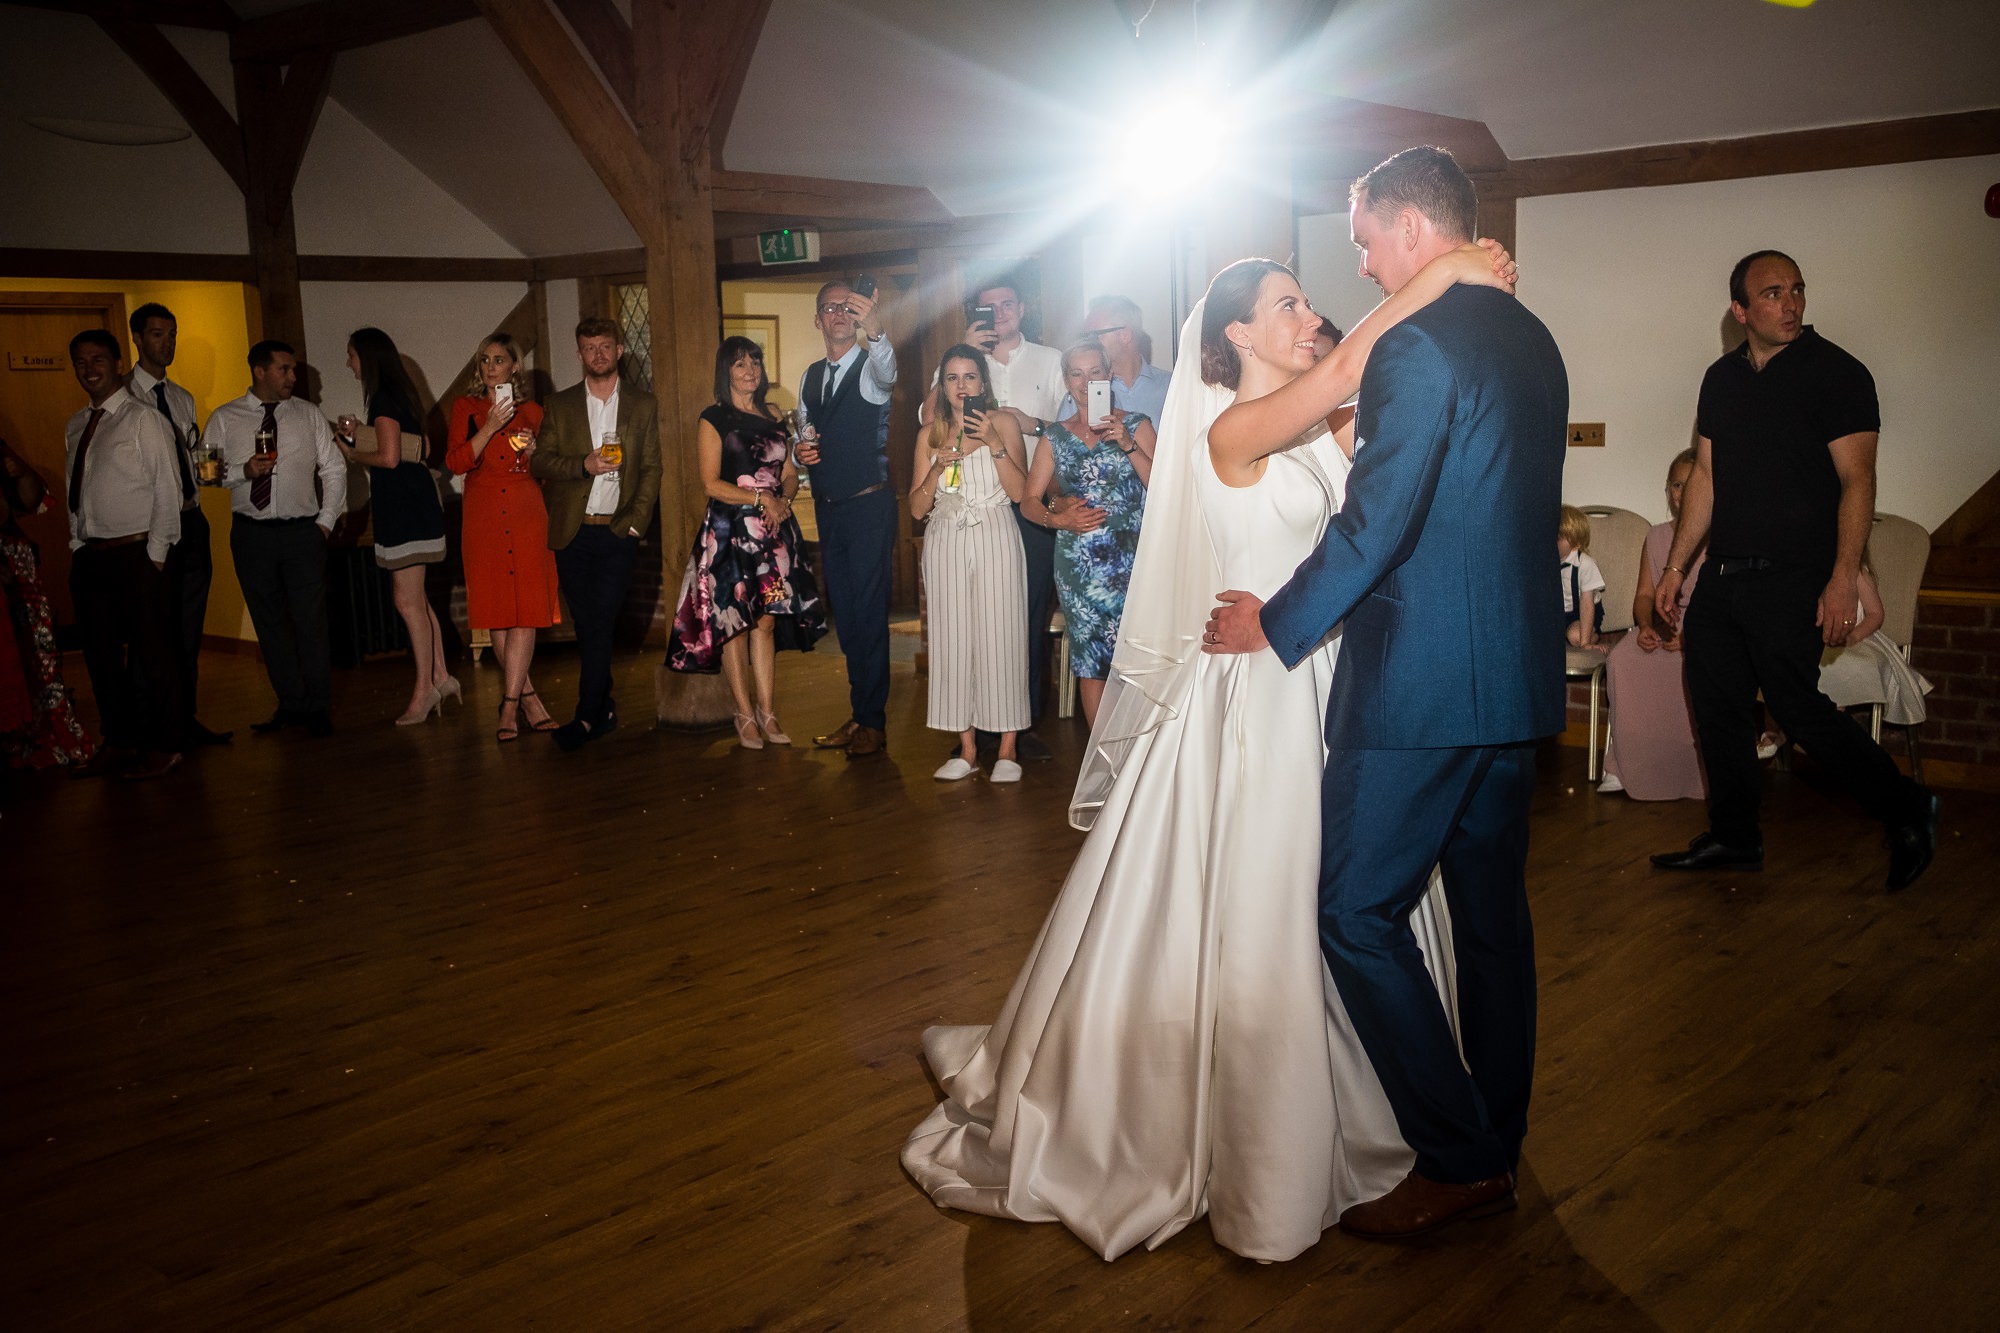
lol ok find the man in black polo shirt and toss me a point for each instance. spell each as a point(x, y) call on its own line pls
point(1783, 491)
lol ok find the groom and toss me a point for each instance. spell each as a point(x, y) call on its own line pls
point(1450, 668)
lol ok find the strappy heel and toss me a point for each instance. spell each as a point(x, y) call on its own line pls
point(505, 734)
point(747, 734)
point(767, 722)
point(547, 723)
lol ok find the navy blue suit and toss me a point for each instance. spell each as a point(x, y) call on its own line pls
point(1451, 664)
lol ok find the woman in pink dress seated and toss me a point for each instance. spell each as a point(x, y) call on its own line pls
point(1652, 754)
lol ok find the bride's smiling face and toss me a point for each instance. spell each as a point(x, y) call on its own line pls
point(1282, 326)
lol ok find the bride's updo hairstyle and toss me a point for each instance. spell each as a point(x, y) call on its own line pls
point(1232, 299)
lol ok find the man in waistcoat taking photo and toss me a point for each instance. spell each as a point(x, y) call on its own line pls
point(846, 398)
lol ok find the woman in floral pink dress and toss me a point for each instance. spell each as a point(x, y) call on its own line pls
point(747, 592)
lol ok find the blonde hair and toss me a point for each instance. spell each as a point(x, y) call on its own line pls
point(476, 387)
point(1575, 528)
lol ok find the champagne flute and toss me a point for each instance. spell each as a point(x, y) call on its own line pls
point(519, 440)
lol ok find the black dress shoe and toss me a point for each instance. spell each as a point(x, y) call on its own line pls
point(1912, 844)
point(200, 735)
point(571, 736)
point(319, 723)
point(278, 721)
point(1705, 853)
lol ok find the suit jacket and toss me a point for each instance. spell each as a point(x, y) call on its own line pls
point(1438, 562)
point(564, 443)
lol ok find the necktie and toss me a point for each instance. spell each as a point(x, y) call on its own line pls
point(76, 472)
point(260, 488)
point(180, 451)
point(826, 389)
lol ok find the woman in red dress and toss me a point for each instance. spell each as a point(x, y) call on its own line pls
point(510, 575)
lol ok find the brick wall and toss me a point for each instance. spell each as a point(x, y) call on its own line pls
point(1957, 648)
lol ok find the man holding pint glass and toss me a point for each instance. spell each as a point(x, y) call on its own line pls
point(599, 458)
point(287, 488)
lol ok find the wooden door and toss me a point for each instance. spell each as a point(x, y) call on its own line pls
point(38, 395)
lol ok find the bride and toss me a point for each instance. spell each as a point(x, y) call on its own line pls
point(1174, 1045)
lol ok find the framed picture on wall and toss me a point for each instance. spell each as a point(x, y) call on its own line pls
point(759, 329)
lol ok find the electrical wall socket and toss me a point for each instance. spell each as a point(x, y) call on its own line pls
point(1586, 434)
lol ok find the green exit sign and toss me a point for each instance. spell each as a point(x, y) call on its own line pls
point(792, 245)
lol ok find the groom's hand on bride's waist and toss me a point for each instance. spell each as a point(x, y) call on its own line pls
point(1234, 626)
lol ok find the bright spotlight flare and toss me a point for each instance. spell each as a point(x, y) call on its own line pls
point(1173, 150)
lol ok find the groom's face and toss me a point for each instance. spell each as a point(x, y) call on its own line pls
point(1386, 258)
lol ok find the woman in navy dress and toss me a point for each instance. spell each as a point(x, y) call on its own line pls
point(747, 592)
point(403, 499)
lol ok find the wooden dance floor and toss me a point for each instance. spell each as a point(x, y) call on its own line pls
point(404, 1029)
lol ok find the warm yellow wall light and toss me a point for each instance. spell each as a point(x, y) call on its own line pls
point(1793, 4)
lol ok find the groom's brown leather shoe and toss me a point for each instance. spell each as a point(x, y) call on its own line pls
point(1418, 1205)
point(837, 739)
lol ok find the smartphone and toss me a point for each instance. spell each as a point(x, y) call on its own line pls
point(502, 394)
point(982, 314)
point(864, 285)
point(1100, 402)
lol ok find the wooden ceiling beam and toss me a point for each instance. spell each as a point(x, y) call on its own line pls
point(213, 15)
point(161, 61)
point(1347, 127)
point(607, 40)
point(342, 25)
point(1878, 143)
point(808, 197)
point(711, 88)
point(598, 126)
point(307, 81)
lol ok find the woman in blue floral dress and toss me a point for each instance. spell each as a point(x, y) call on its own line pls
point(1100, 469)
point(747, 592)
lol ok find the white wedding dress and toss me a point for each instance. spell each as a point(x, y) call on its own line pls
point(1174, 1045)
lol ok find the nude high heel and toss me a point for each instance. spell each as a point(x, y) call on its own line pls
point(449, 688)
point(747, 734)
point(767, 722)
point(431, 702)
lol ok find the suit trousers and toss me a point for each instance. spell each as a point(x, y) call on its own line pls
point(857, 548)
point(191, 568)
point(594, 570)
point(127, 621)
point(1389, 817)
point(281, 565)
point(1751, 630)
point(1038, 545)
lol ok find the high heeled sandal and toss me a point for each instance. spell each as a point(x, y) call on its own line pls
point(505, 734)
point(767, 722)
point(747, 734)
point(547, 723)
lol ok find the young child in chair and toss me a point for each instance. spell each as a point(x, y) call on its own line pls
point(1582, 581)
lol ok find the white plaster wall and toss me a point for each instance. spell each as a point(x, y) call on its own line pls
point(357, 196)
point(437, 325)
point(1902, 269)
point(564, 304)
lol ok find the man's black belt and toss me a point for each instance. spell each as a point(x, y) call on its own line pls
point(1738, 564)
point(277, 522)
point(866, 490)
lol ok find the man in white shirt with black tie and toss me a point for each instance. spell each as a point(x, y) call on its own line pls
point(124, 500)
point(284, 501)
point(190, 568)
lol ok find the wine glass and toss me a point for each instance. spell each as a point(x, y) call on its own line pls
point(520, 439)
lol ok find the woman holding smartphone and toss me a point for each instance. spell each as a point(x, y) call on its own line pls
point(968, 473)
point(403, 498)
point(1104, 458)
point(510, 574)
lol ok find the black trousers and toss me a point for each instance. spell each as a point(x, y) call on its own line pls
point(595, 569)
point(857, 549)
point(281, 564)
point(1753, 629)
point(190, 569)
point(1038, 545)
point(126, 618)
